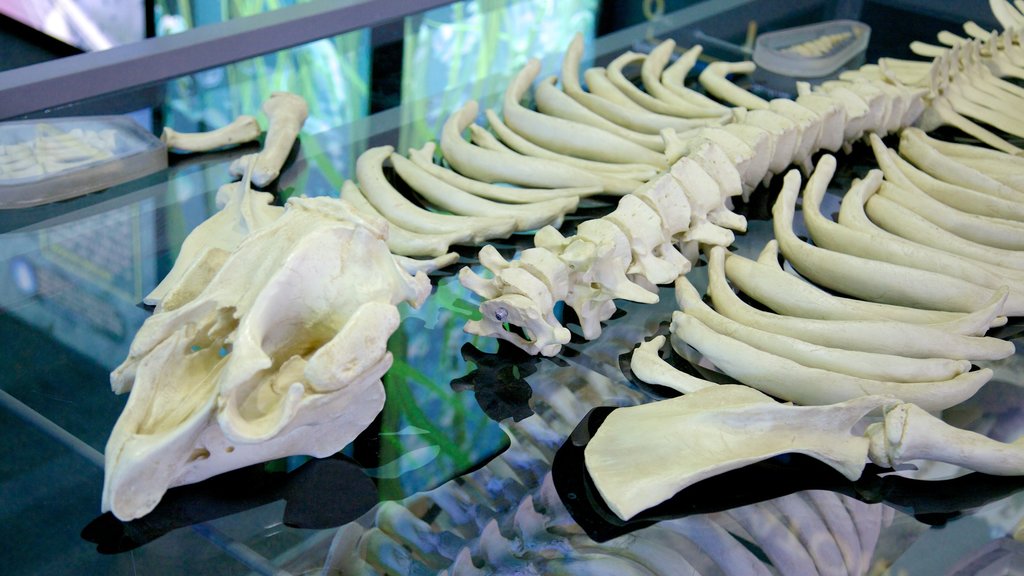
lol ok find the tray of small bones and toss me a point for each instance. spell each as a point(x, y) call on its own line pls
point(811, 53)
point(43, 161)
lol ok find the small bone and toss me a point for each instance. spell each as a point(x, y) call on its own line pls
point(242, 129)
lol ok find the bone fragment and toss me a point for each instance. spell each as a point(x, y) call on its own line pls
point(242, 129)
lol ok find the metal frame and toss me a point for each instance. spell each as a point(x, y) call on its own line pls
point(74, 78)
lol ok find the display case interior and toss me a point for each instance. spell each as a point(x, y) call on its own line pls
point(476, 456)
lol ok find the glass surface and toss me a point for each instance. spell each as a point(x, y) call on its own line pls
point(462, 453)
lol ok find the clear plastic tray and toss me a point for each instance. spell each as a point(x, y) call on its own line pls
point(43, 161)
point(810, 53)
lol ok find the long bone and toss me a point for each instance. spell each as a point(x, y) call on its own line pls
point(870, 365)
point(490, 166)
point(242, 129)
point(890, 248)
point(867, 279)
point(999, 233)
point(565, 136)
point(999, 166)
point(868, 335)
point(949, 170)
point(853, 216)
point(597, 81)
point(286, 113)
point(707, 427)
point(423, 157)
point(910, 433)
point(606, 115)
point(673, 79)
point(959, 197)
point(400, 240)
point(617, 114)
point(652, 74)
point(448, 197)
point(893, 217)
point(398, 209)
point(787, 294)
point(980, 107)
point(677, 107)
point(647, 365)
point(1006, 14)
point(518, 143)
point(713, 79)
point(789, 380)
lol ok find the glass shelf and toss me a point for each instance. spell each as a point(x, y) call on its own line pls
point(470, 428)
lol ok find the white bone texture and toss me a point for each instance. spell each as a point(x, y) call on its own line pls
point(281, 353)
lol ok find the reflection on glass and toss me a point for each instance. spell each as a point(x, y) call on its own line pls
point(331, 74)
point(87, 24)
point(449, 51)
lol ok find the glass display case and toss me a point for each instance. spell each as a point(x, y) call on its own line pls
point(475, 457)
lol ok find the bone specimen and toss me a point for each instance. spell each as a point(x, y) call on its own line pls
point(994, 232)
point(714, 80)
point(892, 248)
point(285, 362)
point(767, 282)
point(669, 107)
point(667, 84)
point(53, 150)
point(242, 129)
point(397, 208)
point(491, 166)
point(915, 148)
point(867, 279)
point(566, 136)
point(424, 156)
point(870, 365)
point(789, 380)
point(869, 335)
point(439, 193)
point(714, 430)
point(243, 211)
point(518, 143)
point(286, 113)
point(648, 366)
point(400, 241)
point(721, 428)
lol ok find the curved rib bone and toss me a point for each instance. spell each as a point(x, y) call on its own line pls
point(714, 80)
point(447, 197)
point(871, 365)
point(396, 208)
point(490, 166)
point(867, 279)
point(423, 157)
point(881, 336)
point(566, 136)
point(789, 380)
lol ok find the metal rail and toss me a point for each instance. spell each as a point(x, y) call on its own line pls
point(74, 78)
